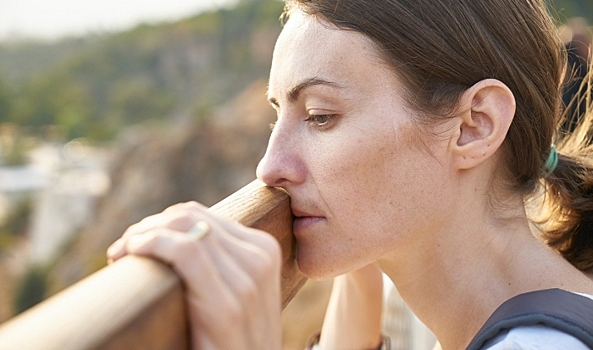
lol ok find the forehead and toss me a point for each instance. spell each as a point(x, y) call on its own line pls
point(310, 47)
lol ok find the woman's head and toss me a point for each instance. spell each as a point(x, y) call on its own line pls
point(343, 147)
point(357, 84)
point(441, 48)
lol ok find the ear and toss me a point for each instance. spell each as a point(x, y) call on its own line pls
point(487, 111)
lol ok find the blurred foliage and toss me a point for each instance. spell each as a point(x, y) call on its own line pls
point(31, 289)
point(100, 85)
point(15, 223)
point(562, 10)
point(17, 220)
point(15, 145)
point(5, 100)
point(21, 60)
point(97, 85)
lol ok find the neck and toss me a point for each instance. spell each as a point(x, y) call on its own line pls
point(465, 270)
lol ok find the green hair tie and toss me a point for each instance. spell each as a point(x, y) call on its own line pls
point(552, 161)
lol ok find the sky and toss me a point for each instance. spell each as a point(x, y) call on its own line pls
point(53, 19)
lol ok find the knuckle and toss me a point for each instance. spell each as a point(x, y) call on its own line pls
point(185, 206)
point(248, 292)
point(268, 244)
point(173, 207)
point(132, 229)
point(183, 257)
point(233, 312)
point(181, 221)
point(262, 267)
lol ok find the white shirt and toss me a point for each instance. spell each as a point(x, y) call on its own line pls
point(536, 338)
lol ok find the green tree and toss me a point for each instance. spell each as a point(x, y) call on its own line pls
point(136, 100)
point(147, 73)
point(562, 10)
point(5, 101)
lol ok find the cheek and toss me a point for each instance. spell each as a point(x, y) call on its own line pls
point(356, 178)
point(360, 163)
point(348, 181)
point(376, 182)
point(346, 169)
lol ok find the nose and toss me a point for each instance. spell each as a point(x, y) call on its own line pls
point(281, 166)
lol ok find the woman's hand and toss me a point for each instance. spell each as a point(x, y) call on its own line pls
point(231, 275)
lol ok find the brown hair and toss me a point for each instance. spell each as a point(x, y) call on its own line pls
point(441, 48)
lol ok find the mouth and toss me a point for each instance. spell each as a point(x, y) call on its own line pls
point(304, 220)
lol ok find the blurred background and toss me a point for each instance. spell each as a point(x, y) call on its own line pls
point(111, 111)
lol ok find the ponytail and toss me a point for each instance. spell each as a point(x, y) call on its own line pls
point(566, 216)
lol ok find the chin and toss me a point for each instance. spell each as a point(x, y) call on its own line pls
point(315, 267)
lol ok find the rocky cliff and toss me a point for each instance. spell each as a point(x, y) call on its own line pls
point(155, 166)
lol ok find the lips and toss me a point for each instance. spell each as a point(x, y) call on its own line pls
point(304, 220)
point(300, 213)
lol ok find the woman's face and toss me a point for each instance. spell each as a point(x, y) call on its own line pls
point(361, 175)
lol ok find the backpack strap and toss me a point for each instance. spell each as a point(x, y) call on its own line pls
point(555, 308)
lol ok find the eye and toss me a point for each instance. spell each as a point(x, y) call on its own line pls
point(321, 121)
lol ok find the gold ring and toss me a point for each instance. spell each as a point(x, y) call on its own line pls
point(200, 230)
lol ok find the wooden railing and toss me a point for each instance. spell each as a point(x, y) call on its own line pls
point(138, 303)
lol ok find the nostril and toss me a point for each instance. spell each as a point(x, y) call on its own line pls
point(263, 173)
point(268, 178)
point(282, 164)
point(271, 173)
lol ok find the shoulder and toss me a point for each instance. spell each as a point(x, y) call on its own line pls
point(534, 337)
point(542, 320)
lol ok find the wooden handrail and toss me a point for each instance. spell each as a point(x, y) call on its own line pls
point(137, 303)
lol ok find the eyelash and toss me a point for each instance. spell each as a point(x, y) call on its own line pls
point(315, 120)
point(321, 121)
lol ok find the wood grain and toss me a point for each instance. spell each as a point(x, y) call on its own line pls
point(138, 303)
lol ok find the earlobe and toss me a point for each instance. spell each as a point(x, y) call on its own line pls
point(487, 111)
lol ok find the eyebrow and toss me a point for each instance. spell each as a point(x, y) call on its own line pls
point(294, 93)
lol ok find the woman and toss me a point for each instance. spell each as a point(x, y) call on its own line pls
point(409, 136)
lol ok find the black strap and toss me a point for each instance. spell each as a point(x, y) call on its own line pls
point(555, 308)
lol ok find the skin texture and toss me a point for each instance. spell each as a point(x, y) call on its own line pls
point(369, 184)
point(241, 267)
point(349, 176)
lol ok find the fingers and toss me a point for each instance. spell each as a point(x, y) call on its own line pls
point(210, 279)
point(204, 263)
point(182, 217)
point(252, 273)
point(248, 246)
point(178, 217)
point(173, 217)
point(231, 273)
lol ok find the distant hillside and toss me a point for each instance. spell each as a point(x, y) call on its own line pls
point(96, 85)
point(93, 87)
point(22, 60)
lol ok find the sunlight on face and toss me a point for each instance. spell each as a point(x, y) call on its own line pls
point(345, 148)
